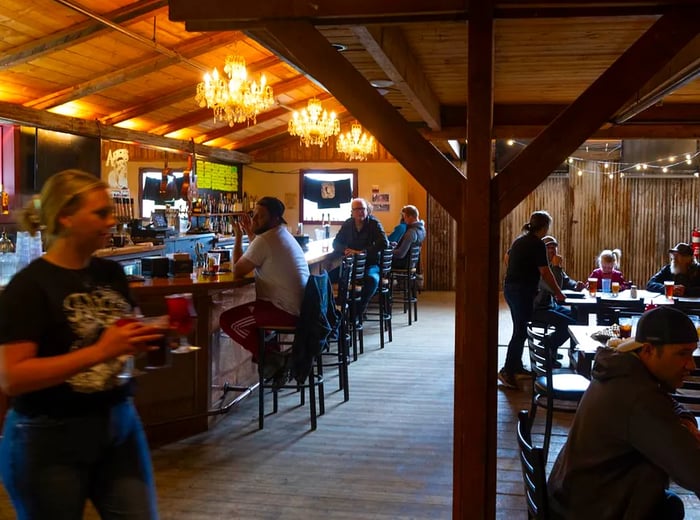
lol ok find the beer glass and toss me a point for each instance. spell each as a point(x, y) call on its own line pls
point(213, 262)
point(592, 286)
point(128, 370)
point(615, 288)
point(625, 328)
point(668, 287)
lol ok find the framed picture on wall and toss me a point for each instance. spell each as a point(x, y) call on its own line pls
point(380, 201)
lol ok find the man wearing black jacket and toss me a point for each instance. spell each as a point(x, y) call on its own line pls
point(362, 233)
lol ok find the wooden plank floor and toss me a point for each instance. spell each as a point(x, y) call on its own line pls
point(384, 455)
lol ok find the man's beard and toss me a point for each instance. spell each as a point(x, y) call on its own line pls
point(678, 268)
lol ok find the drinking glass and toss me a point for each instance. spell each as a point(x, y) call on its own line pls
point(615, 288)
point(625, 328)
point(213, 262)
point(668, 287)
point(128, 370)
point(606, 285)
point(182, 313)
point(592, 286)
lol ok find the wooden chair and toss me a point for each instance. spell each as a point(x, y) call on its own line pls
point(379, 308)
point(561, 390)
point(610, 309)
point(532, 462)
point(404, 288)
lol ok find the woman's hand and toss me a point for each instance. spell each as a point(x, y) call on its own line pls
point(129, 338)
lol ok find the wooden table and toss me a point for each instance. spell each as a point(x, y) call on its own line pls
point(583, 304)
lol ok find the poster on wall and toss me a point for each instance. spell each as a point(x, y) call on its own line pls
point(380, 201)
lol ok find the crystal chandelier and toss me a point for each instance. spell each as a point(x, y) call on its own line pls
point(238, 99)
point(314, 125)
point(356, 144)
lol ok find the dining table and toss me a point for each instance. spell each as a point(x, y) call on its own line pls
point(585, 304)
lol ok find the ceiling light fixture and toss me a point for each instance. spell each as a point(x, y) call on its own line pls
point(356, 144)
point(237, 100)
point(313, 125)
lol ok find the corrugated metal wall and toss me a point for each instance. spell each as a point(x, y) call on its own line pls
point(643, 217)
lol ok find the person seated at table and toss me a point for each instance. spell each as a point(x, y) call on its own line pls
point(682, 269)
point(546, 310)
point(414, 236)
point(629, 436)
point(281, 273)
point(397, 232)
point(609, 268)
point(362, 233)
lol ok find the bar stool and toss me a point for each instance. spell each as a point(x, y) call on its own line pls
point(404, 287)
point(356, 324)
point(339, 357)
point(380, 305)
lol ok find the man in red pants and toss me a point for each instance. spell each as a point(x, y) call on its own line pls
point(281, 273)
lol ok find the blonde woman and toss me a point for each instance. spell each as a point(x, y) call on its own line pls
point(72, 433)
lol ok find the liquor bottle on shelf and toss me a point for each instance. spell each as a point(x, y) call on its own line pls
point(327, 227)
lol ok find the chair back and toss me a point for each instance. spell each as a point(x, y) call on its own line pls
point(689, 393)
point(609, 309)
point(533, 468)
point(385, 258)
point(317, 321)
point(413, 259)
point(541, 357)
point(358, 275)
point(688, 307)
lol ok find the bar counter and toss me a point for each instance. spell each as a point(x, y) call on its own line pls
point(174, 402)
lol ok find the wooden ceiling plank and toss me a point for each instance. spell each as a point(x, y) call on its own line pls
point(300, 42)
point(217, 15)
point(185, 50)
point(77, 33)
point(656, 47)
point(626, 131)
point(73, 125)
point(149, 106)
point(681, 70)
point(389, 48)
point(197, 116)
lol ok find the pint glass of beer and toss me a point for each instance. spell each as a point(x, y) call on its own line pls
point(615, 288)
point(592, 286)
point(668, 286)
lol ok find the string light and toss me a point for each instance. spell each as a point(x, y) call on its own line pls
point(663, 165)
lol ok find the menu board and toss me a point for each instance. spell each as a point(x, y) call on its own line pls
point(216, 176)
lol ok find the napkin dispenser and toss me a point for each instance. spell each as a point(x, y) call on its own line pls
point(155, 266)
point(180, 265)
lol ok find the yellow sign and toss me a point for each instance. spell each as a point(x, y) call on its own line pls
point(213, 176)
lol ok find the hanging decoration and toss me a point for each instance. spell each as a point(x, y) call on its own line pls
point(313, 124)
point(356, 145)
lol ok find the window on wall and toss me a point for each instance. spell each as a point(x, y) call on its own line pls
point(326, 192)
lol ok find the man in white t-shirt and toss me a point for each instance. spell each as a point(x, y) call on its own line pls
point(281, 273)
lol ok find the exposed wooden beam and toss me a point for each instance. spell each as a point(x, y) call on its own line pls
point(149, 106)
point(388, 47)
point(183, 51)
point(216, 15)
point(28, 116)
point(77, 33)
point(680, 71)
point(476, 336)
point(655, 48)
point(265, 116)
point(627, 131)
point(301, 43)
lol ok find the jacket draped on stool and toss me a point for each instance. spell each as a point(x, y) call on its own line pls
point(317, 321)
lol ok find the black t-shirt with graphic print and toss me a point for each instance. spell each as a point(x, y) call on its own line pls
point(63, 310)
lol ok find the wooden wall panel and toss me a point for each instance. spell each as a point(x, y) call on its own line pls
point(440, 249)
point(643, 217)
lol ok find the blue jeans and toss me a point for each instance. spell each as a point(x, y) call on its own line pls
point(519, 299)
point(370, 282)
point(560, 318)
point(51, 466)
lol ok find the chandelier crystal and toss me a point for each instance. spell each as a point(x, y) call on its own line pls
point(314, 125)
point(356, 144)
point(237, 99)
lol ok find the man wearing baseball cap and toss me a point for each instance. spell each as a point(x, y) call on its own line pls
point(629, 435)
point(682, 269)
point(281, 273)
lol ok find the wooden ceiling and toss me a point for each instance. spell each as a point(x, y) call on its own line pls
point(126, 70)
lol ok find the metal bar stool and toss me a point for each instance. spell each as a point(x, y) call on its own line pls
point(404, 286)
point(343, 337)
point(357, 327)
point(380, 305)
